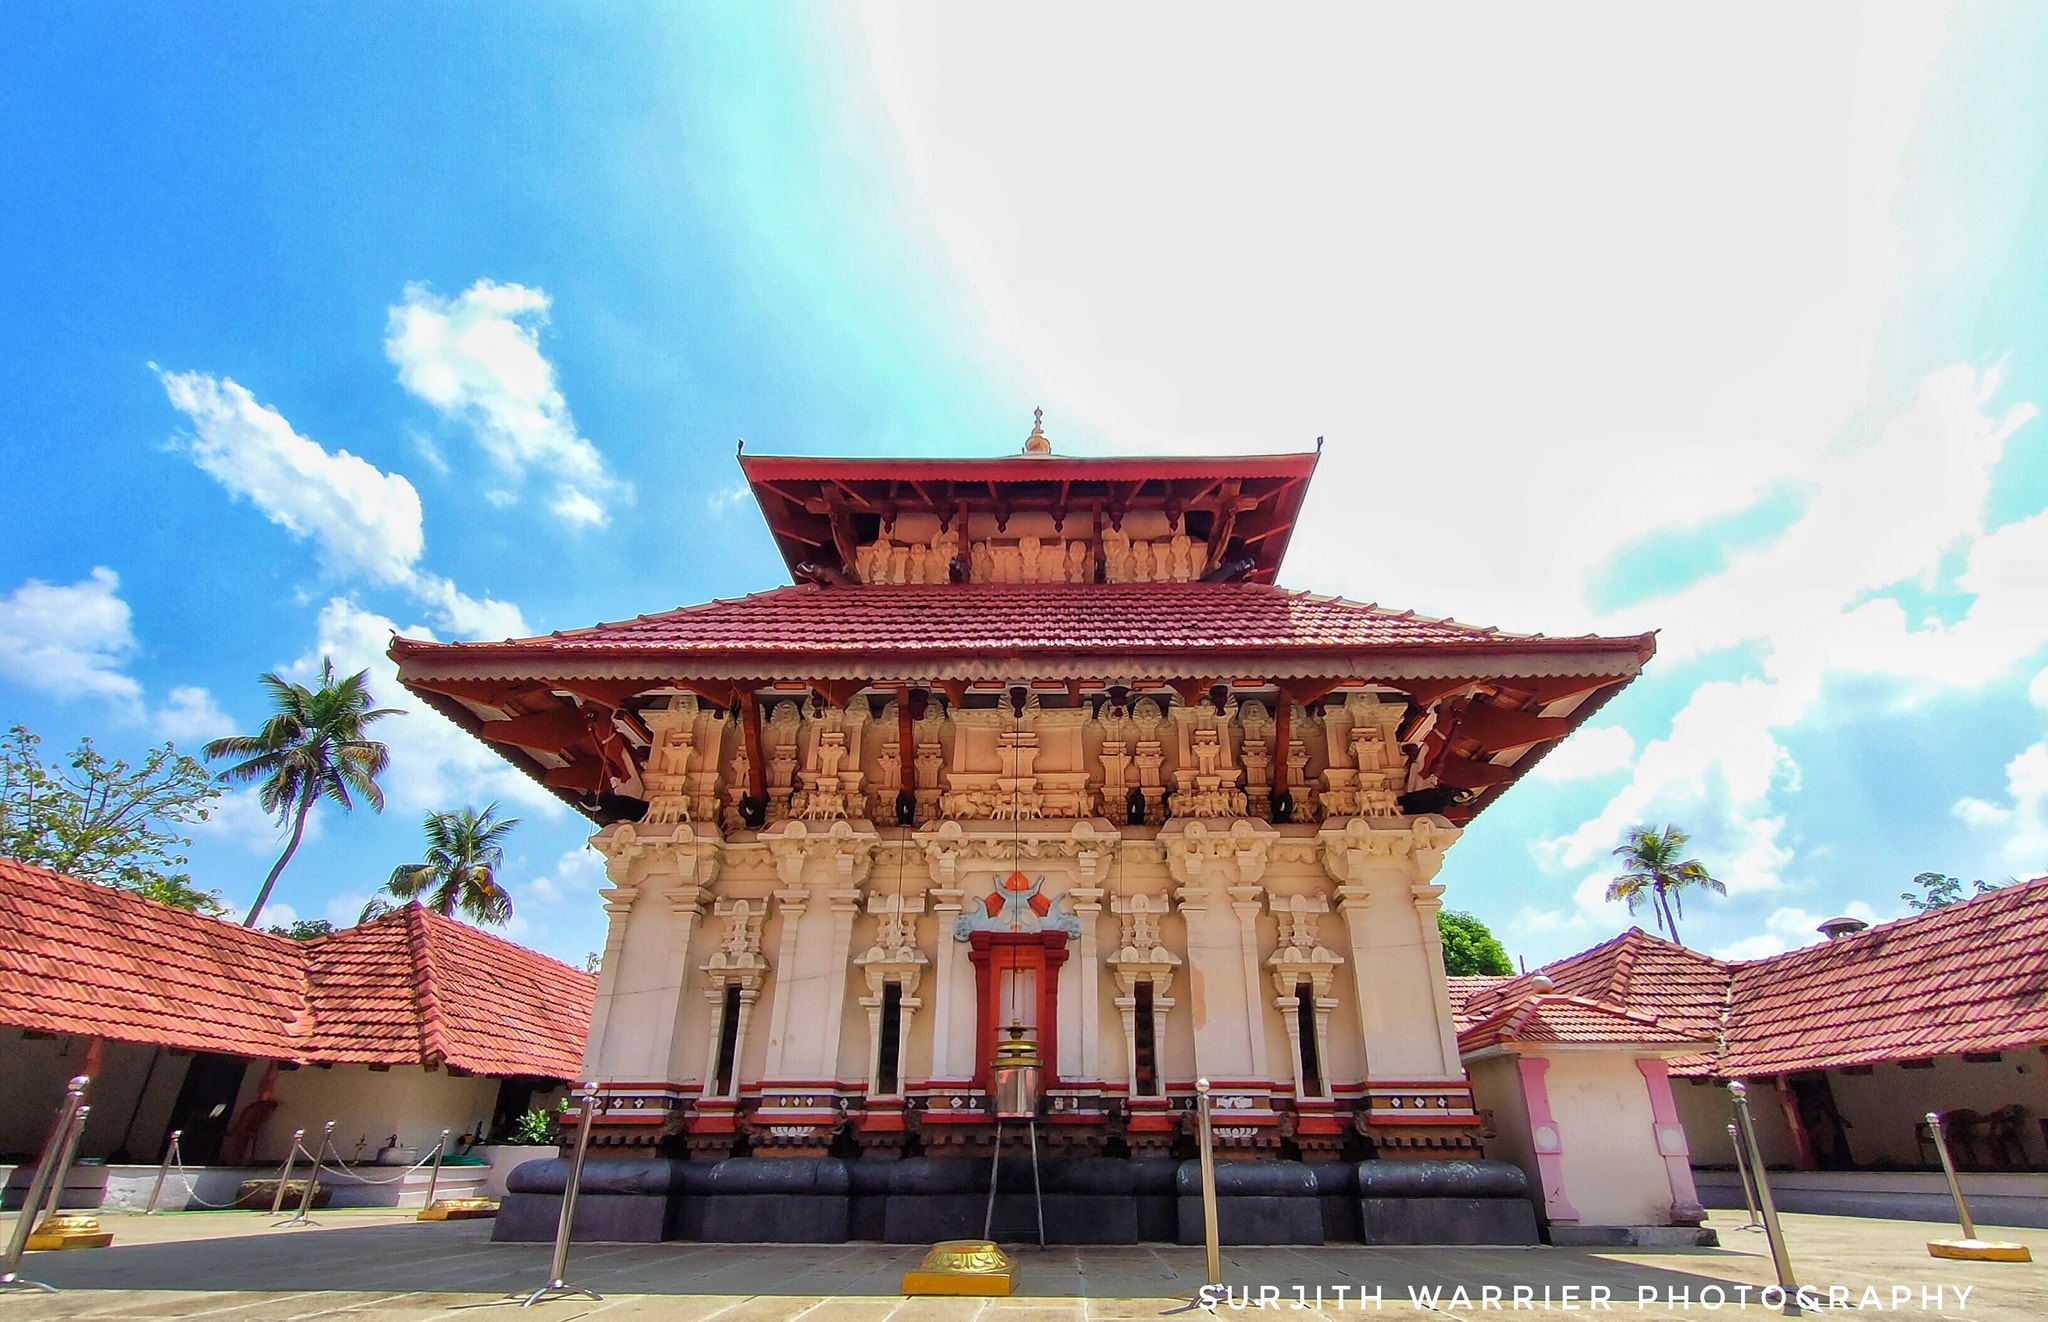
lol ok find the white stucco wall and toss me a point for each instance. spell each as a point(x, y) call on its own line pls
point(1882, 1109)
point(1496, 1087)
point(1390, 1021)
point(33, 1072)
point(1613, 1173)
point(371, 1105)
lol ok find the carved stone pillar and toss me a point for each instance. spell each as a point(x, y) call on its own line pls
point(1302, 959)
point(1382, 868)
point(791, 903)
point(1086, 905)
point(620, 847)
point(1215, 869)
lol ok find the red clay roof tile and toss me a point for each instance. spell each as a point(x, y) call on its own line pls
point(967, 619)
point(409, 988)
point(1970, 977)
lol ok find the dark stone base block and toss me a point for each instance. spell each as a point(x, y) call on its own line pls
point(600, 1218)
point(1257, 1202)
point(623, 1200)
point(1445, 1202)
point(1447, 1221)
point(1634, 1237)
point(1088, 1200)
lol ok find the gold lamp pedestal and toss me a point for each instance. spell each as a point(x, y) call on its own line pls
point(977, 1266)
point(458, 1209)
point(69, 1230)
point(962, 1267)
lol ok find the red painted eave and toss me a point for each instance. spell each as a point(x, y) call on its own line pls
point(1025, 468)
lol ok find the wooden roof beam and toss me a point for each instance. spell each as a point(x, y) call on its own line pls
point(1497, 728)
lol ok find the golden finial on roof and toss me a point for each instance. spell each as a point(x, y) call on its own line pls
point(1036, 443)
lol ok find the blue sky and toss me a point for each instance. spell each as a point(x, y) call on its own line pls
point(328, 321)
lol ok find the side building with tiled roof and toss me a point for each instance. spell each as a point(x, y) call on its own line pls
point(401, 1027)
point(1845, 1044)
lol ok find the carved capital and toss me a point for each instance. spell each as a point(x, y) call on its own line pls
point(1352, 845)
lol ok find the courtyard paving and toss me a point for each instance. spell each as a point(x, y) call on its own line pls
point(363, 1265)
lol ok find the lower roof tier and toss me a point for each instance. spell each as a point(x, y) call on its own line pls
point(1470, 708)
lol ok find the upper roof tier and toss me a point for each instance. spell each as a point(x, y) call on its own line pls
point(1032, 517)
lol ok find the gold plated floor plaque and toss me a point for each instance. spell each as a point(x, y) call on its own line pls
point(962, 1267)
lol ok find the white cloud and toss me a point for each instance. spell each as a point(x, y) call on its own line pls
point(1823, 602)
point(2022, 821)
point(1790, 927)
point(721, 501)
point(71, 640)
point(577, 876)
point(434, 764)
point(190, 715)
point(1576, 313)
point(545, 901)
point(362, 520)
point(1593, 750)
point(477, 357)
point(1596, 329)
point(240, 820)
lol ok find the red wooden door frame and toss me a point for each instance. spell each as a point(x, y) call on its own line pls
point(1042, 952)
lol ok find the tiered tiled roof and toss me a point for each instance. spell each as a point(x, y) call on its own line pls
point(414, 985)
point(411, 987)
point(1969, 977)
point(968, 622)
point(1548, 1018)
point(78, 958)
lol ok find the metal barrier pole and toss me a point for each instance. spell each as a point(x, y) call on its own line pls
point(39, 1184)
point(284, 1174)
point(56, 1194)
point(170, 1154)
point(1948, 1168)
point(988, 1220)
point(557, 1287)
point(1969, 1248)
point(1781, 1258)
point(312, 1182)
point(1210, 1237)
point(1748, 1188)
point(434, 1176)
point(1037, 1190)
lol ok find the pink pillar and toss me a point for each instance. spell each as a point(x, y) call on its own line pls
point(1549, 1144)
point(1670, 1135)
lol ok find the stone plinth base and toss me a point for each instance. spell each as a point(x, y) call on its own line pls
point(1633, 1237)
point(1088, 1200)
point(1257, 1202)
point(623, 1200)
point(1444, 1202)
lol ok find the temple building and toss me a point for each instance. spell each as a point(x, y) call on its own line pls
point(1035, 741)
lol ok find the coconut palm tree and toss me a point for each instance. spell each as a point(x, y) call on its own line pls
point(312, 747)
point(1658, 875)
point(465, 849)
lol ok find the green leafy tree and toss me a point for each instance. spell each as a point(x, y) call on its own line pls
point(1657, 876)
point(465, 849)
point(101, 819)
point(305, 929)
point(1470, 946)
point(1939, 891)
point(313, 747)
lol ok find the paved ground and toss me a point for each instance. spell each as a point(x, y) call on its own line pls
point(363, 1265)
